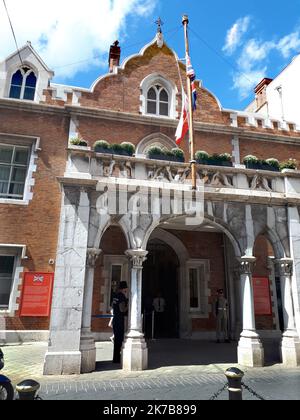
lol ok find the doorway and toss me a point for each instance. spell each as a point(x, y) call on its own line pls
point(160, 280)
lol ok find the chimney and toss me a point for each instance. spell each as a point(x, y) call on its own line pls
point(114, 56)
point(261, 92)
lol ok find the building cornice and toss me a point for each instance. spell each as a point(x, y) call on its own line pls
point(212, 128)
point(172, 123)
point(29, 106)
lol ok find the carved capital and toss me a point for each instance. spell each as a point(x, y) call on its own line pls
point(247, 265)
point(137, 257)
point(92, 256)
point(285, 266)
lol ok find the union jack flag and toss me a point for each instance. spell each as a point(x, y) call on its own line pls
point(192, 75)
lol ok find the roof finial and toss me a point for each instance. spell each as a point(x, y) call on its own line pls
point(159, 35)
point(159, 24)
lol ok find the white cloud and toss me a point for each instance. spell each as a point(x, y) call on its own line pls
point(245, 81)
point(235, 34)
point(253, 59)
point(289, 44)
point(66, 32)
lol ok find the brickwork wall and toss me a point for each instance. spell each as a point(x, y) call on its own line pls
point(265, 150)
point(122, 92)
point(37, 224)
point(92, 130)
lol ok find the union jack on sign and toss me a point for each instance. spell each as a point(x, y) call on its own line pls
point(38, 279)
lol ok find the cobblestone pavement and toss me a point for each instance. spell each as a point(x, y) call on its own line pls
point(179, 370)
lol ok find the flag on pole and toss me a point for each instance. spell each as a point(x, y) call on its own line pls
point(183, 125)
point(192, 75)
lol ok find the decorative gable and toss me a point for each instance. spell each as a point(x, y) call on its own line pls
point(29, 64)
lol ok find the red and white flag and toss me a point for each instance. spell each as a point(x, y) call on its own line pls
point(183, 125)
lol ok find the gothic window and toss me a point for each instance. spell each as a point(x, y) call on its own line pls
point(158, 101)
point(23, 84)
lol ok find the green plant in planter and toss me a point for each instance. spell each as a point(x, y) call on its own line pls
point(250, 159)
point(102, 146)
point(289, 164)
point(225, 157)
point(273, 162)
point(201, 155)
point(178, 154)
point(128, 148)
point(117, 149)
point(77, 141)
point(155, 151)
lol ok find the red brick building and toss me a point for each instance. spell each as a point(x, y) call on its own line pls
point(55, 215)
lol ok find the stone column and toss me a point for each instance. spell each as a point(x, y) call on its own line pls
point(294, 233)
point(87, 341)
point(290, 345)
point(63, 356)
point(135, 352)
point(250, 349)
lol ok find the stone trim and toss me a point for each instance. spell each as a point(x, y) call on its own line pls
point(285, 266)
point(137, 257)
point(34, 144)
point(247, 265)
point(17, 251)
point(92, 256)
point(170, 87)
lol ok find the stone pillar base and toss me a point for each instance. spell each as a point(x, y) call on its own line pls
point(290, 351)
point(135, 354)
point(62, 363)
point(88, 354)
point(250, 352)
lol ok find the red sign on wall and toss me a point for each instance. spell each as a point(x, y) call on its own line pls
point(262, 296)
point(37, 295)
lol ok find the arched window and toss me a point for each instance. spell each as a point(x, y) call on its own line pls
point(158, 101)
point(23, 84)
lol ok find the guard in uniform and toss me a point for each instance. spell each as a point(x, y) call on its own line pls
point(120, 310)
point(222, 317)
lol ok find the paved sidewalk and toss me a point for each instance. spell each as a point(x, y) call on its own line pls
point(178, 370)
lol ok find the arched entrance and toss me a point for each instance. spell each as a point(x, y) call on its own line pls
point(160, 280)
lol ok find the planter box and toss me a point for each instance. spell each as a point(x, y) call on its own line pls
point(121, 153)
point(102, 150)
point(166, 158)
point(215, 162)
point(262, 167)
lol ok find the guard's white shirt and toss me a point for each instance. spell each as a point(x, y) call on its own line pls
point(159, 304)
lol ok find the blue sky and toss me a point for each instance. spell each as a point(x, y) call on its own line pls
point(233, 44)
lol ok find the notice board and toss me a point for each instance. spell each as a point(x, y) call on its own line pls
point(262, 296)
point(36, 295)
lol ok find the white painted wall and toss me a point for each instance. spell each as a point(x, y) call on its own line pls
point(289, 80)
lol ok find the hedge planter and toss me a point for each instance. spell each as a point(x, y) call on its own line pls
point(214, 162)
point(121, 153)
point(261, 166)
point(167, 158)
point(102, 150)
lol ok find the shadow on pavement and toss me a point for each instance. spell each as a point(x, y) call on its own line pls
point(193, 352)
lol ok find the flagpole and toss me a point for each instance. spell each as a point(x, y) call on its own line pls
point(185, 22)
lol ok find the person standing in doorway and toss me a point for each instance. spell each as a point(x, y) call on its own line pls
point(159, 306)
point(221, 311)
point(120, 310)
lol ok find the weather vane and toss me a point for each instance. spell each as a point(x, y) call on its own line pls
point(159, 24)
